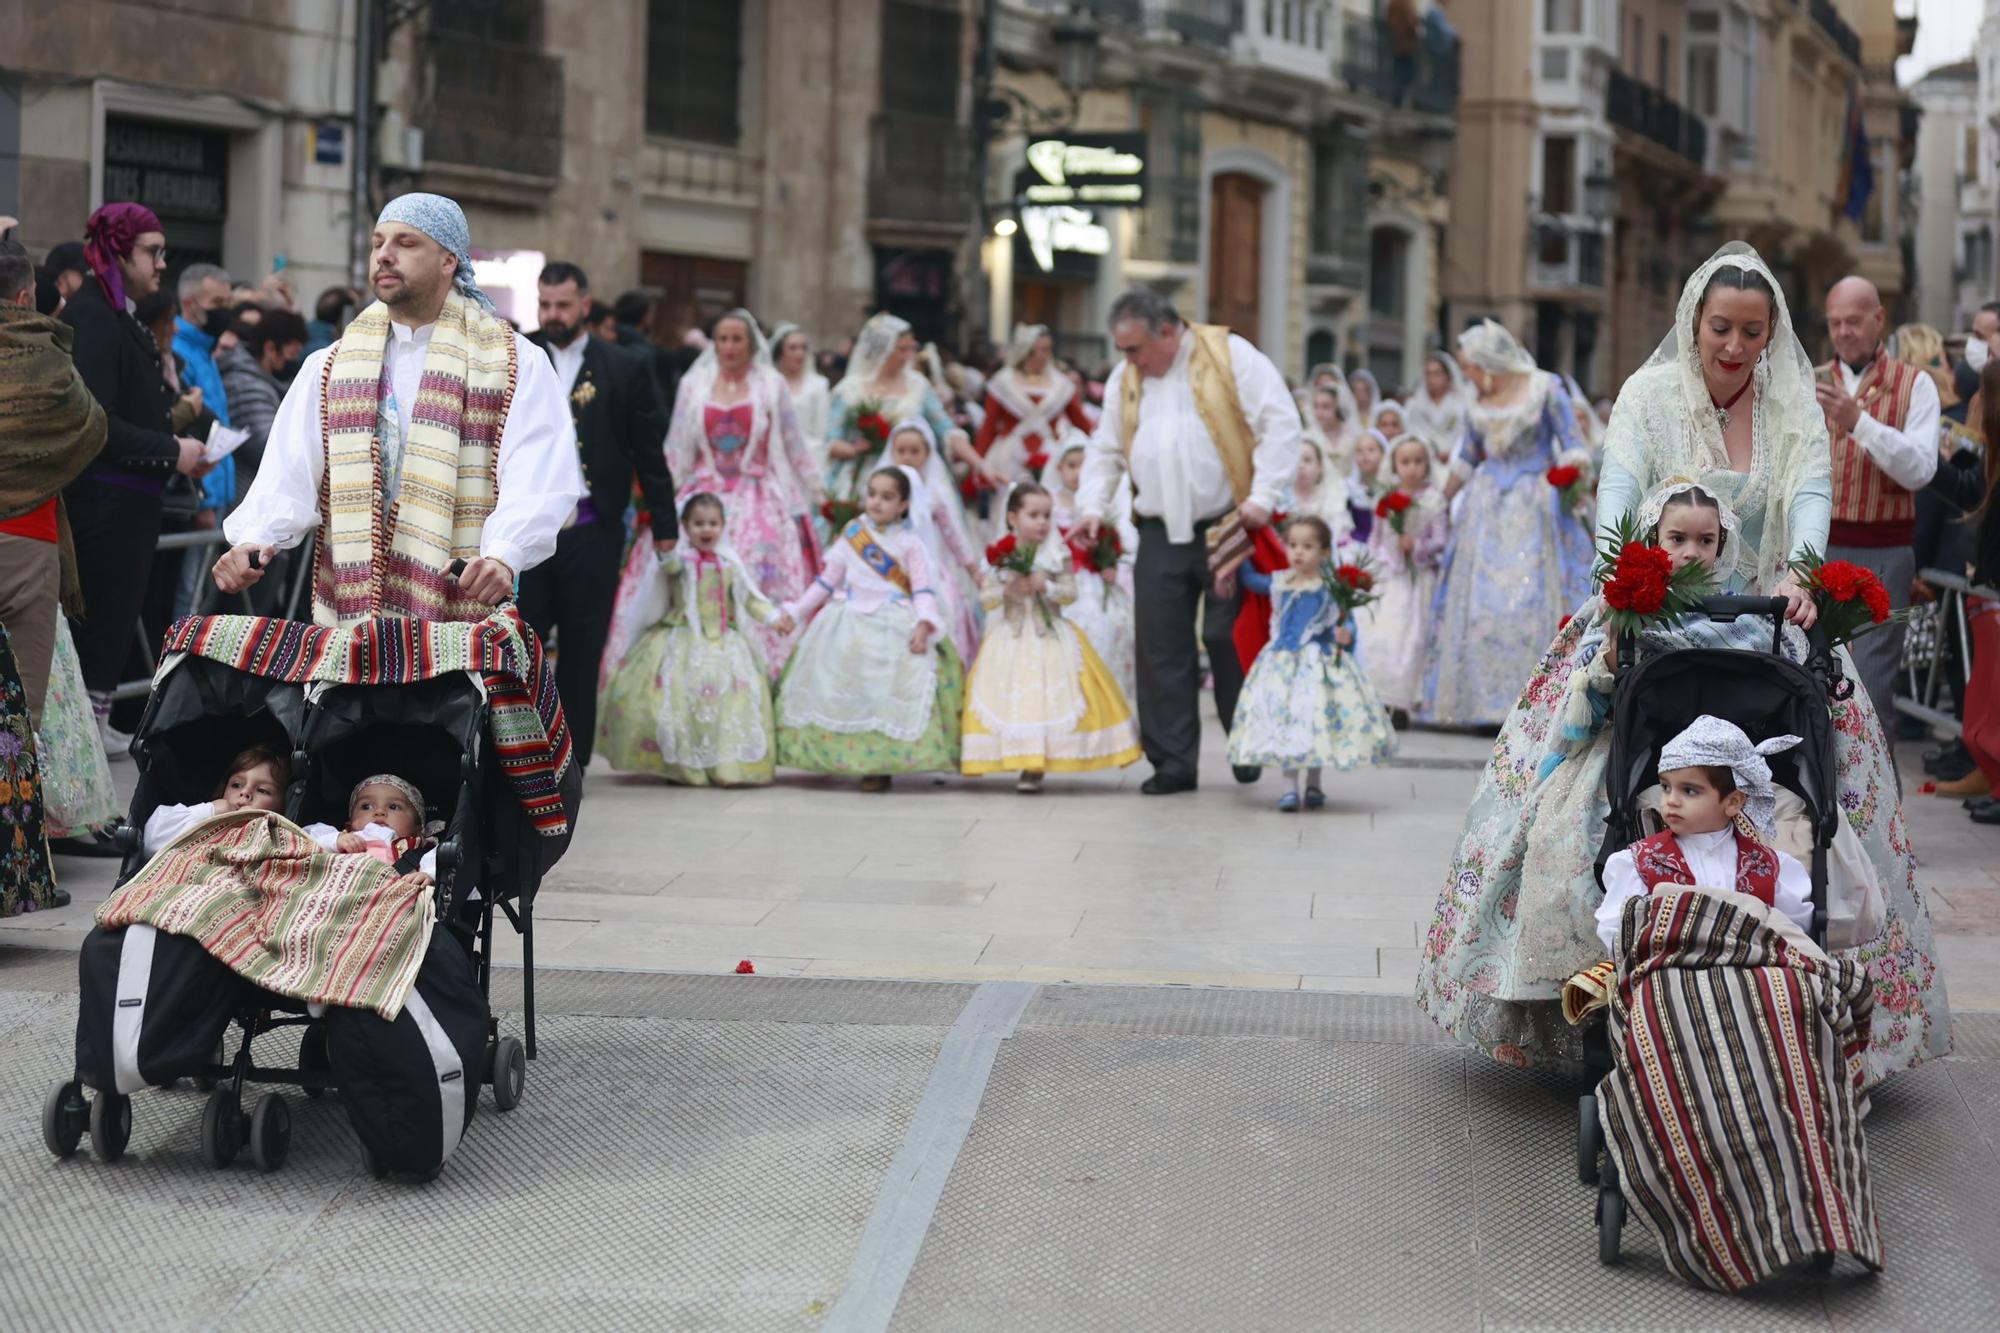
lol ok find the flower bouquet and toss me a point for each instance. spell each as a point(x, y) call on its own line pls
point(1851, 600)
point(1099, 557)
point(1640, 585)
point(1395, 506)
point(839, 513)
point(1011, 555)
point(871, 425)
point(1575, 483)
point(1351, 585)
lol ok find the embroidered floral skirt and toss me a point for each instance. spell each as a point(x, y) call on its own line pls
point(26, 883)
point(1303, 708)
point(691, 709)
point(1515, 915)
point(1040, 700)
point(854, 698)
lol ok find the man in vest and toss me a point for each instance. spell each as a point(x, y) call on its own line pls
point(1882, 416)
point(430, 433)
point(1203, 422)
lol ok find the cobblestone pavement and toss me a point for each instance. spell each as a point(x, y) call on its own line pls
point(700, 1152)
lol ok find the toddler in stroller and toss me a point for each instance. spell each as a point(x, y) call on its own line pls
point(257, 780)
point(1729, 1112)
point(385, 820)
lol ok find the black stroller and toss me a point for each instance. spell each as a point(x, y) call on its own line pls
point(1653, 699)
point(432, 732)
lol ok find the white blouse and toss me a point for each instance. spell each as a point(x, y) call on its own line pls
point(1711, 858)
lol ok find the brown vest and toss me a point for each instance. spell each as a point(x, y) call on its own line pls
point(1212, 379)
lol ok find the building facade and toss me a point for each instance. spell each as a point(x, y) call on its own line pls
point(1293, 155)
point(237, 129)
point(1977, 273)
point(1947, 168)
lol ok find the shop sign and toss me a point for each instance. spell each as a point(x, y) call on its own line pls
point(1064, 241)
point(1108, 169)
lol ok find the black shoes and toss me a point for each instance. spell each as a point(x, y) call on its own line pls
point(1987, 814)
point(1166, 784)
point(1948, 762)
point(94, 845)
point(60, 898)
point(1246, 773)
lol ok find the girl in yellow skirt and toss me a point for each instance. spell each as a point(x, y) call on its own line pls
point(1039, 699)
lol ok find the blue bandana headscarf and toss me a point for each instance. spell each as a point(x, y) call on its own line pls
point(444, 222)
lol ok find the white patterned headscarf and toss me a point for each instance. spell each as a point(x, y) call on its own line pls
point(1655, 504)
point(444, 222)
point(1489, 346)
point(1713, 742)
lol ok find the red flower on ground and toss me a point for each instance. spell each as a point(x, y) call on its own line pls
point(1563, 477)
point(745, 968)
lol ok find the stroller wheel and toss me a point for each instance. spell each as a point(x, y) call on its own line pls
point(270, 1132)
point(313, 1061)
point(221, 1128)
point(110, 1125)
point(510, 1073)
point(1610, 1222)
point(64, 1116)
point(1589, 1139)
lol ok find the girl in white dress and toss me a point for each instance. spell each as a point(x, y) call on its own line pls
point(1102, 610)
point(811, 395)
point(936, 517)
point(1317, 488)
point(1396, 627)
point(1436, 412)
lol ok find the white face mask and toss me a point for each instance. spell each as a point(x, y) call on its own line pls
point(1976, 351)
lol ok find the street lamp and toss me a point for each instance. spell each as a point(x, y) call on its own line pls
point(1076, 39)
point(1600, 195)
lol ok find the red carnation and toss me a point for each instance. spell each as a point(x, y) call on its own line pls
point(1563, 477)
point(1395, 502)
point(1842, 580)
point(1000, 550)
point(1355, 577)
point(1639, 579)
point(1036, 462)
point(745, 968)
point(1877, 598)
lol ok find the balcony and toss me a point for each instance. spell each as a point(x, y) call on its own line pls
point(1568, 255)
point(493, 106)
point(1631, 105)
point(1835, 27)
point(1202, 22)
point(919, 171)
point(1425, 80)
point(1294, 37)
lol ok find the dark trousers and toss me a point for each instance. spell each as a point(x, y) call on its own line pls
point(568, 600)
point(115, 531)
point(1170, 584)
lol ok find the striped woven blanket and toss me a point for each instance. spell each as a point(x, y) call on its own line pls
point(258, 893)
point(525, 714)
point(1734, 1108)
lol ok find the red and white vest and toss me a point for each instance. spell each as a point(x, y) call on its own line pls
point(1869, 509)
point(1658, 860)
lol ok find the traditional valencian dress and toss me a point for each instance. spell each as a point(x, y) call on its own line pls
point(854, 699)
point(1395, 629)
point(1023, 420)
point(691, 701)
point(1102, 611)
point(1039, 700)
point(1306, 702)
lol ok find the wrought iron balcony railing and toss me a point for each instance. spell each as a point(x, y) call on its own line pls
point(1632, 105)
point(494, 105)
point(919, 170)
point(1426, 78)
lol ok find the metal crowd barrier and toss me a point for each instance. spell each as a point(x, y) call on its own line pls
point(1935, 629)
point(293, 600)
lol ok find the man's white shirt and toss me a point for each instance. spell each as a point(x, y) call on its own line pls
point(540, 481)
point(1177, 472)
point(1909, 456)
point(568, 361)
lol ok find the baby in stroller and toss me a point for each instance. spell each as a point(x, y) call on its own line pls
point(385, 820)
point(257, 779)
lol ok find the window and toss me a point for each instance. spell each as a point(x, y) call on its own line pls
point(1635, 59)
point(1703, 91)
point(694, 64)
point(1555, 63)
point(1970, 171)
point(1388, 258)
point(1666, 63)
point(920, 60)
point(1562, 15)
point(508, 22)
point(1559, 174)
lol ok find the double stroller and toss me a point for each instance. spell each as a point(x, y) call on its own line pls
point(156, 1008)
point(1654, 698)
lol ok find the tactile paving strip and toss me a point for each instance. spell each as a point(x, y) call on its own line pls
point(1217, 1012)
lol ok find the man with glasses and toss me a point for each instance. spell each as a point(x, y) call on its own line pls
point(114, 507)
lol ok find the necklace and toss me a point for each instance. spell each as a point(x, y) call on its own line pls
point(1722, 409)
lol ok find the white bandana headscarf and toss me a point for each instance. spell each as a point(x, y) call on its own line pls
point(444, 222)
point(1713, 742)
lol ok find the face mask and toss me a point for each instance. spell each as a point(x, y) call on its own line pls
point(1976, 351)
point(216, 322)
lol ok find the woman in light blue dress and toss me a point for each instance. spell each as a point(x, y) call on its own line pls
point(1518, 561)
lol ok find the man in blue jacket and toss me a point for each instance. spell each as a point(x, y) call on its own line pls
point(204, 296)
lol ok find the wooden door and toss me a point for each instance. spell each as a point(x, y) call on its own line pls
point(1235, 252)
point(692, 289)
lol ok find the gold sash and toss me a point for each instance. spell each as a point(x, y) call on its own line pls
point(1212, 379)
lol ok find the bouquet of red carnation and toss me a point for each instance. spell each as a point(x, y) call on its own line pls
point(1395, 506)
point(1851, 599)
point(1010, 555)
point(1575, 484)
point(1641, 585)
point(1099, 557)
point(871, 424)
point(1037, 460)
point(1351, 585)
point(839, 513)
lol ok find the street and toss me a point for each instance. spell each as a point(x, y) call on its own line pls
point(1188, 1091)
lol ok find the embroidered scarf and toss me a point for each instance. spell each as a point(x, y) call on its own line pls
point(1658, 860)
point(875, 555)
point(395, 559)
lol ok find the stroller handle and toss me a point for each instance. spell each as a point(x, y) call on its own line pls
point(1725, 606)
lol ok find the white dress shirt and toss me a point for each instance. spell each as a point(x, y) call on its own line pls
point(1909, 455)
point(568, 362)
point(1177, 471)
point(1711, 858)
point(540, 481)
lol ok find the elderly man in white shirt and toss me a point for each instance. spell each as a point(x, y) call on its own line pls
point(1204, 424)
point(402, 498)
point(1882, 417)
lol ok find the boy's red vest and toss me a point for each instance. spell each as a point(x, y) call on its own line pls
point(1659, 861)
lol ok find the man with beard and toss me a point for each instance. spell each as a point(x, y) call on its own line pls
point(482, 469)
point(621, 432)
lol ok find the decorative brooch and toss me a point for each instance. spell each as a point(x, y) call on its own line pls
point(583, 393)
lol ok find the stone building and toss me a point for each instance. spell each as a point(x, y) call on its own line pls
point(1949, 243)
point(234, 126)
point(1292, 174)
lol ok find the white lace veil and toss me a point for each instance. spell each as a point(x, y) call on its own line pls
point(1655, 504)
point(1492, 348)
point(922, 522)
point(1387, 405)
point(1664, 424)
point(1023, 342)
point(706, 367)
point(872, 347)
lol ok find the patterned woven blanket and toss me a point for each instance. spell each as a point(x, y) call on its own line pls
point(258, 893)
point(529, 733)
point(1734, 1108)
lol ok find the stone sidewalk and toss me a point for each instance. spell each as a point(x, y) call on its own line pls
point(759, 1152)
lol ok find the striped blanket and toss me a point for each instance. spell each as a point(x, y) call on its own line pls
point(1734, 1108)
point(257, 892)
point(525, 714)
